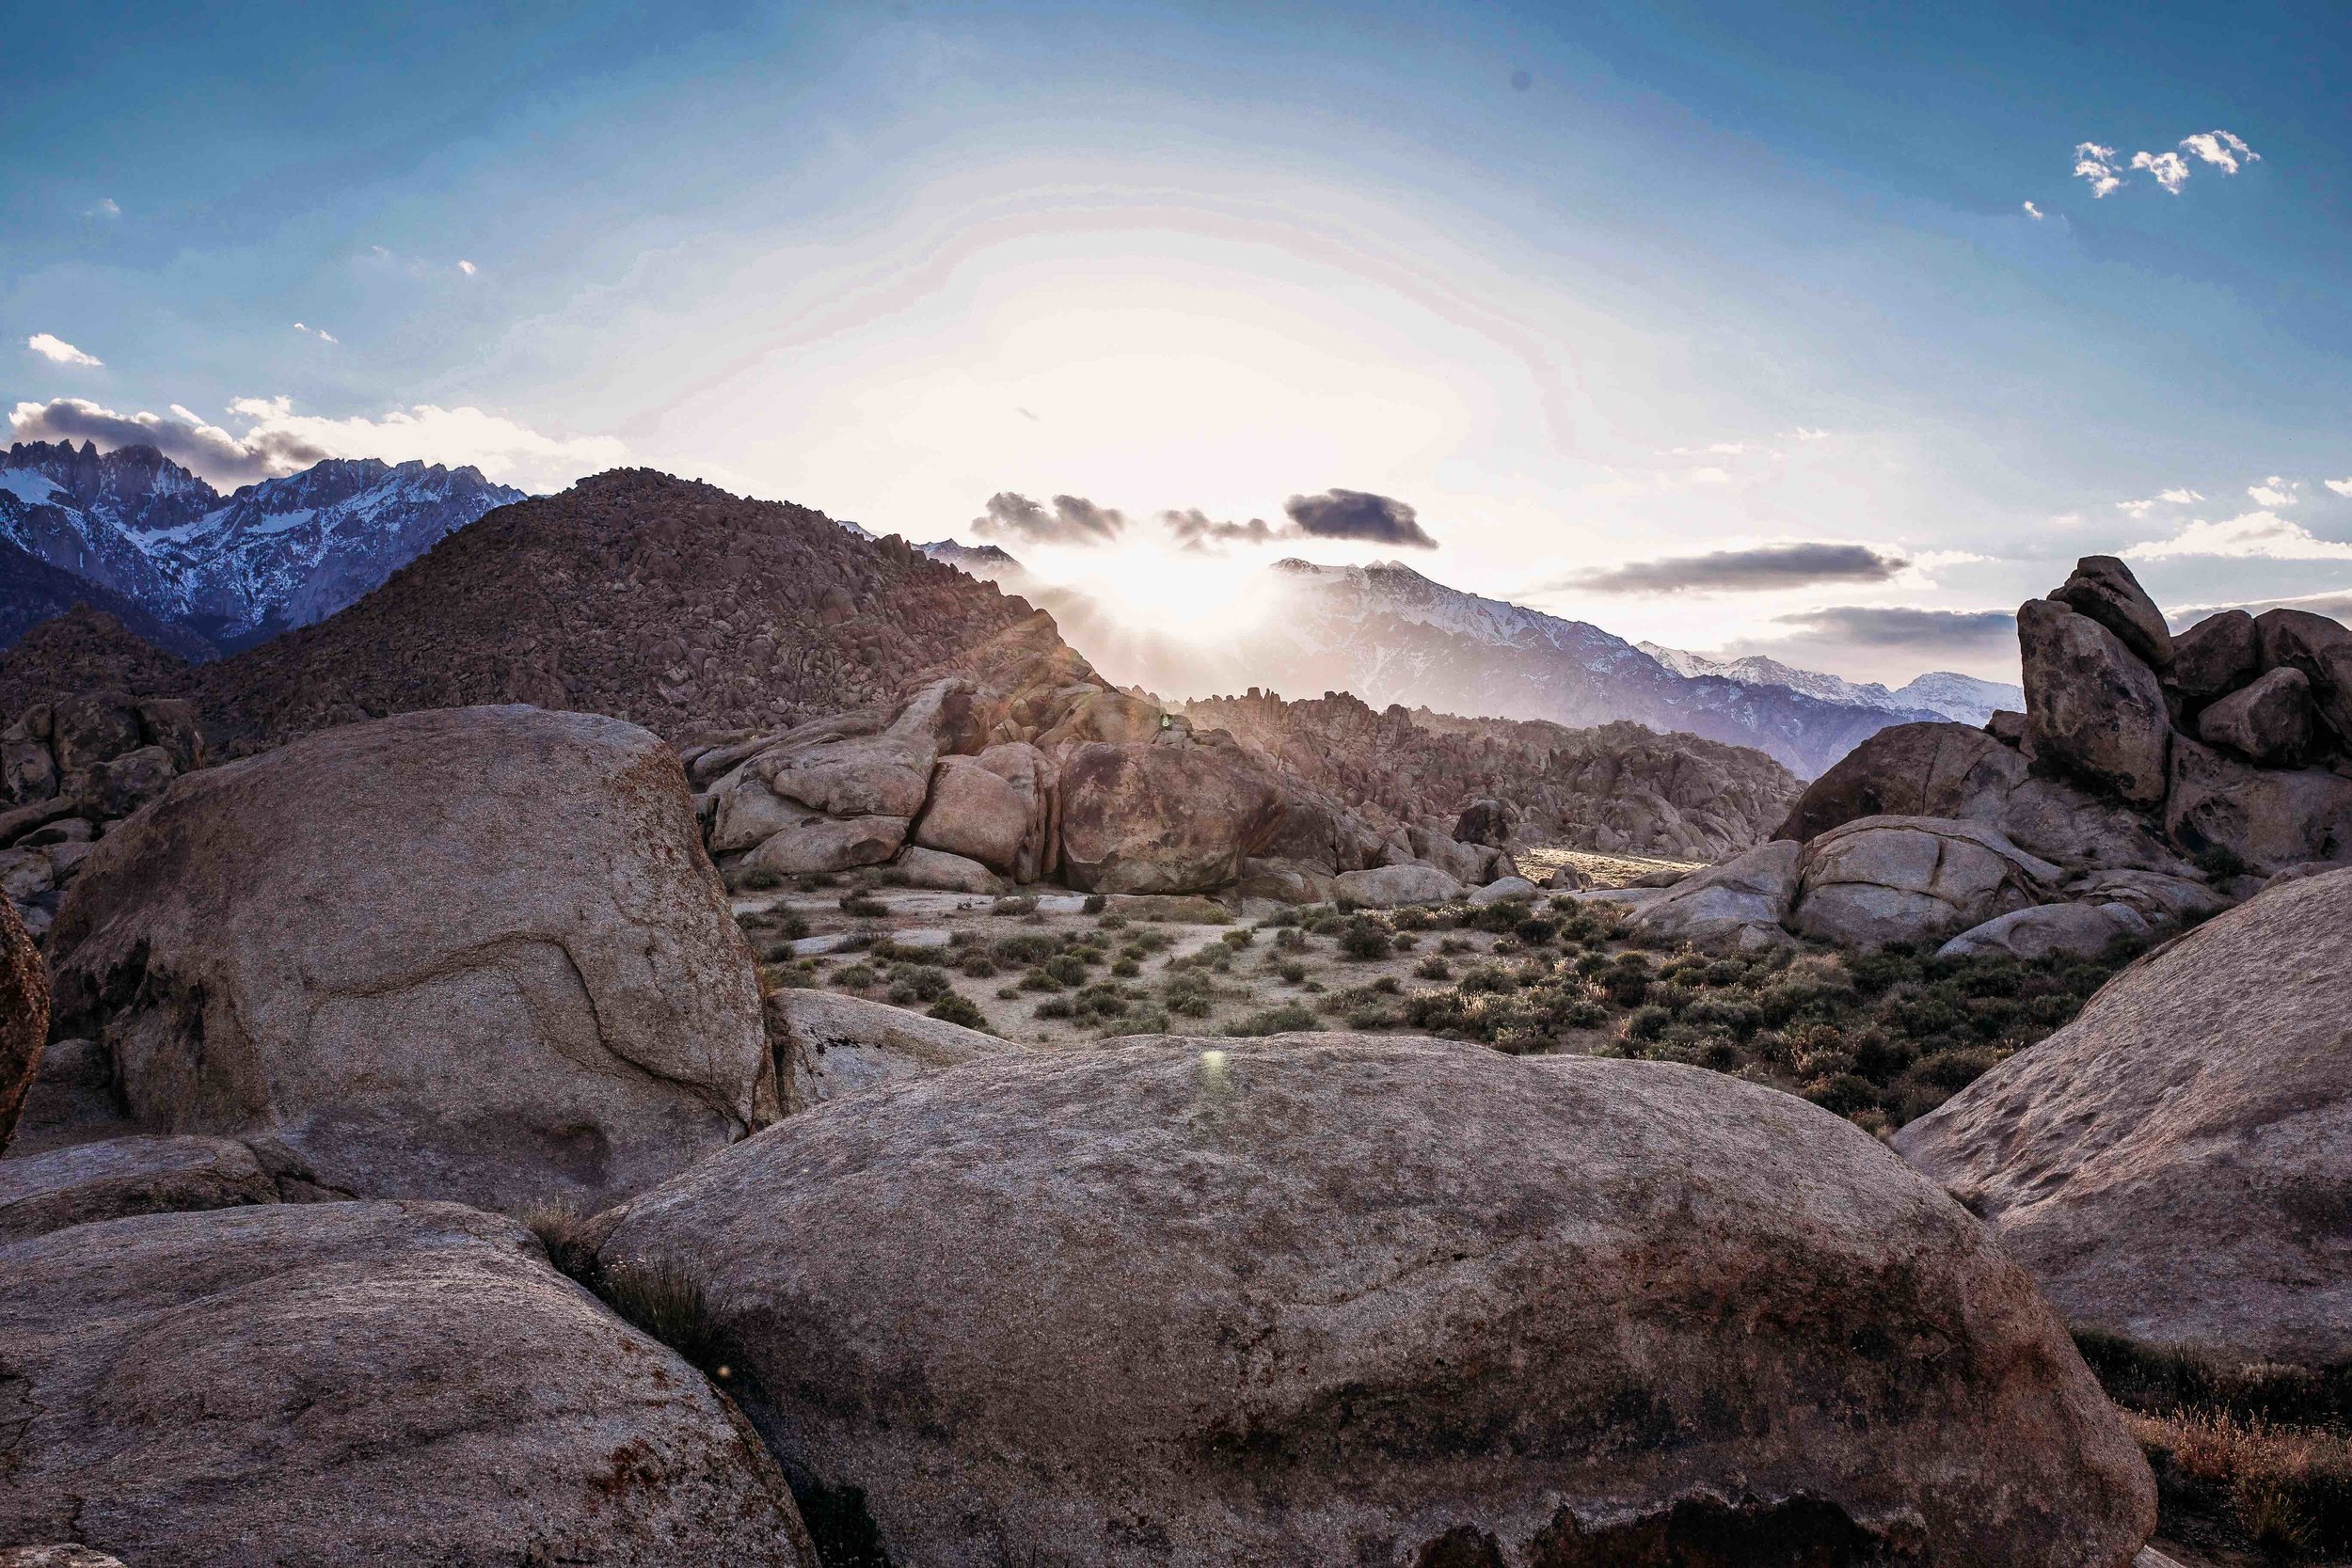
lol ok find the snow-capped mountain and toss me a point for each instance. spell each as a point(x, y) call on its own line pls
point(1962, 698)
point(1389, 634)
point(240, 568)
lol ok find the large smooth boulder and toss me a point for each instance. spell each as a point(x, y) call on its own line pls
point(24, 1015)
point(106, 1181)
point(941, 872)
point(994, 808)
point(474, 953)
point(1389, 887)
point(2268, 722)
point(1735, 907)
point(2216, 657)
point(1488, 821)
point(822, 844)
point(1911, 878)
point(2049, 931)
point(873, 762)
point(833, 1045)
point(1924, 769)
point(358, 1383)
point(2321, 649)
point(2170, 1165)
point(1162, 817)
point(2104, 589)
point(2093, 708)
point(1336, 1300)
point(2268, 817)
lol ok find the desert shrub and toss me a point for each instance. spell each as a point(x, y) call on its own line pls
point(912, 983)
point(1187, 994)
point(1486, 978)
point(1055, 1006)
point(979, 966)
point(1070, 968)
point(1143, 1018)
point(1290, 939)
point(1455, 945)
point(855, 978)
point(759, 878)
point(1291, 972)
point(1038, 979)
point(2220, 862)
point(1018, 903)
point(1536, 931)
point(1095, 904)
point(1126, 967)
point(562, 1229)
point(1364, 939)
point(1273, 1021)
point(862, 906)
point(665, 1301)
point(1022, 947)
point(1241, 937)
point(956, 1008)
point(1433, 968)
point(1499, 918)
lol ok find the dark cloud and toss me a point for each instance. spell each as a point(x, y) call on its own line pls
point(1195, 530)
point(1949, 631)
point(1073, 520)
point(1740, 571)
point(208, 450)
point(1356, 515)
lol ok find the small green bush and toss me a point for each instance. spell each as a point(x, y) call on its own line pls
point(864, 905)
point(956, 1008)
point(1364, 939)
point(1290, 1016)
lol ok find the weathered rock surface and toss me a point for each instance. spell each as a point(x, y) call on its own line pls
point(833, 1045)
point(1882, 880)
point(2216, 657)
point(2267, 818)
point(993, 808)
point(2075, 930)
point(2093, 709)
point(1334, 1298)
point(56, 1556)
point(1736, 907)
point(1488, 821)
point(93, 1182)
point(2104, 589)
point(1161, 819)
point(1502, 890)
point(945, 873)
point(351, 1383)
point(2170, 1165)
point(2268, 722)
point(24, 1015)
point(475, 952)
point(2321, 650)
point(819, 843)
point(1389, 887)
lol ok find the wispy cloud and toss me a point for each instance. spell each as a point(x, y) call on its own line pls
point(58, 350)
point(1769, 566)
point(2178, 496)
point(2341, 486)
point(1801, 434)
point(277, 440)
point(2275, 491)
point(2254, 535)
point(1195, 530)
point(318, 332)
point(1071, 520)
point(2217, 148)
point(468, 268)
point(2096, 164)
point(2033, 212)
point(105, 207)
point(1930, 631)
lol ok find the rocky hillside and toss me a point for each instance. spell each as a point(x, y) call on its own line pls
point(230, 570)
point(661, 600)
point(1617, 787)
point(32, 591)
point(84, 650)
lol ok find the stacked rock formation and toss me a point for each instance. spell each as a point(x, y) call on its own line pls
point(2152, 780)
point(71, 769)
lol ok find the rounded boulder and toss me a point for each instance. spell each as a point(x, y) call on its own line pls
point(1355, 1300)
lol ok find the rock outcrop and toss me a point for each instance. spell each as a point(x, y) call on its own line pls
point(2170, 1165)
point(1332, 1299)
point(475, 953)
point(1882, 880)
point(1739, 906)
point(832, 1045)
point(2230, 745)
point(24, 1017)
point(353, 1384)
point(69, 771)
point(119, 1177)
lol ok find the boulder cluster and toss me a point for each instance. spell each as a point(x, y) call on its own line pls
point(1324, 1299)
point(1032, 769)
point(71, 769)
point(2152, 781)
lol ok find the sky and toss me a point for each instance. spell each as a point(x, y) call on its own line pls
point(1827, 332)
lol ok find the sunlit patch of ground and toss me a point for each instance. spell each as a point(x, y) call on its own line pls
point(1598, 870)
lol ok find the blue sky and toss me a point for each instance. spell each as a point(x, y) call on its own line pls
point(1590, 289)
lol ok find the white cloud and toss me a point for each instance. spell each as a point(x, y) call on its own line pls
point(277, 440)
point(318, 332)
point(2178, 496)
point(468, 268)
point(58, 350)
point(2033, 212)
point(2275, 491)
point(1717, 448)
point(2066, 519)
point(2096, 164)
point(2341, 486)
point(107, 208)
point(2256, 535)
point(1801, 434)
point(2221, 149)
point(2171, 172)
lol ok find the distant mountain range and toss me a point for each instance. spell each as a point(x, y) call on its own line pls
point(1962, 698)
point(1390, 635)
point(220, 571)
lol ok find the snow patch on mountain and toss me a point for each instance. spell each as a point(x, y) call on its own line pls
point(1964, 698)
